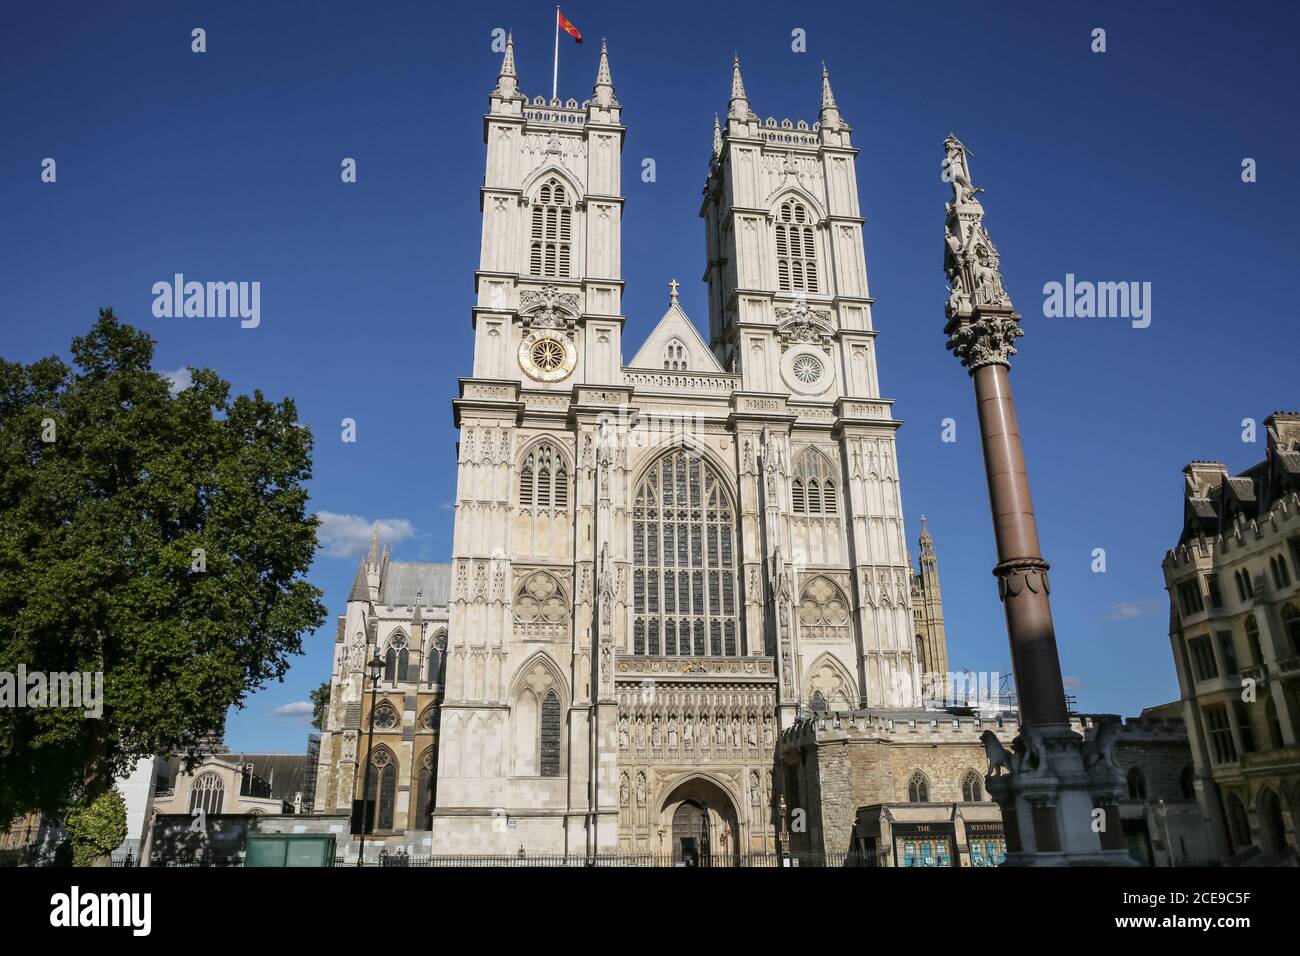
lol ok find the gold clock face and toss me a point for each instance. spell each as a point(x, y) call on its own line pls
point(547, 356)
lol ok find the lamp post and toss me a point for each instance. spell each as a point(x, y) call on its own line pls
point(1162, 811)
point(376, 667)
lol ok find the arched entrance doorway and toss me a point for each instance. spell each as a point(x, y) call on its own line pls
point(698, 825)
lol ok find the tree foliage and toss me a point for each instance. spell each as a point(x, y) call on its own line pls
point(159, 538)
point(320, 701)
point(96, 827)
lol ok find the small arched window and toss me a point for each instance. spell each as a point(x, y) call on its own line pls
point(397, 662)
point(796, 248)
point(544, 480)
point(1137, 784)
point(208, 793)
point(551, 235)
point(971, 791)
point(918, 789)
point(812, 491)
point(1252, 639)
point(818, 703)
point(551, 734)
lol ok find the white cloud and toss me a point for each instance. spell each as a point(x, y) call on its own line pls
point(1129, 610)
point(297, 710)
point(348, 536)
point(180, 379)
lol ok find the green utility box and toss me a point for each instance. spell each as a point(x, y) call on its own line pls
point(290, 849)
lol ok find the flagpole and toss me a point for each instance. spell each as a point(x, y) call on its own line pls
point(555, 72)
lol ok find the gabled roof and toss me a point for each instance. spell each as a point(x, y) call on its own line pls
point(675, 324)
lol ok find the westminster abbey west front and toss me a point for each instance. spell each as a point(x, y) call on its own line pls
point(660, 567)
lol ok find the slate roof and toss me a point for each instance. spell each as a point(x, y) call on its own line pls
point(286, 774)
point(402, 579)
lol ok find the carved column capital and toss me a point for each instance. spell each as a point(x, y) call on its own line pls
point(985, 339)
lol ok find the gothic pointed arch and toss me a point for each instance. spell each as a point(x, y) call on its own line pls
point(684, 587)
point(918, 787)
point(381, 786)
point(972, 788)
point(538, 705)
point(832, 680)
point(793, 192)
point(397, 657)
point(814, 486)
point(545, 472)
point(533, 184)
point(426, 768)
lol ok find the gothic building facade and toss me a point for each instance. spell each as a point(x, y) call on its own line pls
point(659, 565)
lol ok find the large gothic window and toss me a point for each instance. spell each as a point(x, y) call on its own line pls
point(208, 793)
point(382, 790)
point(544, 480)
point(552, 231)
point(796, 248)
point(683, 578)
point(823, 611)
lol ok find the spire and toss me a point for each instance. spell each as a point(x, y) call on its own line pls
point(830, 113)
point(927, 542)
point(372, 558)
point(507, 82)
point(717, 137)
point(739, 101)
point(604, 88)
point(417, 618)
point(360, 589)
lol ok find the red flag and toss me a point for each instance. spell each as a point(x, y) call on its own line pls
point(567, 26)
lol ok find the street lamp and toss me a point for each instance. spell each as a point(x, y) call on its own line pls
point(376, 668)
point(1162, 811)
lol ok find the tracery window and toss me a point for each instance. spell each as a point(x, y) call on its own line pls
point(386, 717)
point(1291, 625)
point(918, 789)
point(683, 556)
point(971, 791)
point(208, 793)
point(544, 479)
point(813, 489)
point(550, 735)
point(436, 652)
point(397, 661)
point(552, 231)
point(823, 611)
point(796, 248)
point(382, 789)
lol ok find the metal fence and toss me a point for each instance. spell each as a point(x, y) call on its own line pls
point(630, 860)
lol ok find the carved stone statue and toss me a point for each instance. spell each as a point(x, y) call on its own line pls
point(753, 732)
point(1030, 750)
point(656, 735)
point(1101, 748)
point(998, 756)
point(622, 731)
point(956, 170)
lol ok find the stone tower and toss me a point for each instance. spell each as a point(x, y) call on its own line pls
point(790, 313)
point(927, 610)
point(521, 717)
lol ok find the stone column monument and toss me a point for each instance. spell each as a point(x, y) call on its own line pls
point(1059, 801)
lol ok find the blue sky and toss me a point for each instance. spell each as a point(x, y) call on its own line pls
point(1120, 166)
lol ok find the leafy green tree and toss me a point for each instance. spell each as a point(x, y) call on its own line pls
point(96, 826)
point(158, 538)
point(320, 701)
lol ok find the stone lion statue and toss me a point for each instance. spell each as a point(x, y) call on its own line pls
point(997, 755)
point(1030, 750)
point(1101, 749)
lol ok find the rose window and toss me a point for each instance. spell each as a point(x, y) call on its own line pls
point(807, 369)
